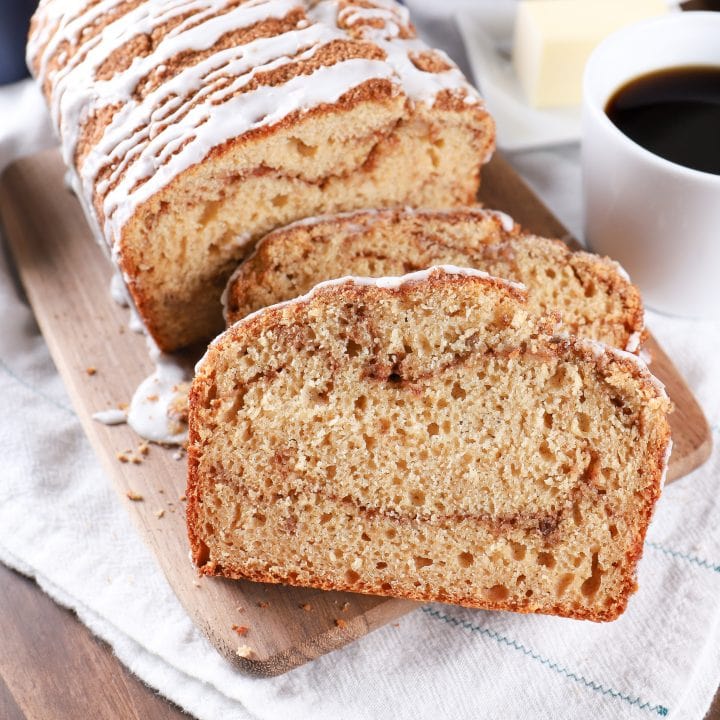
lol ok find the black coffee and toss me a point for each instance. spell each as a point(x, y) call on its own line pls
point(674, 113)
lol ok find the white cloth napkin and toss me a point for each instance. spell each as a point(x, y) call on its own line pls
point(61, 523)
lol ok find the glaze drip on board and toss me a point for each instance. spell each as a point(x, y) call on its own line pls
point(153, 406)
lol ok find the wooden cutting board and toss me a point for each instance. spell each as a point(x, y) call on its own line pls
point(66, 278)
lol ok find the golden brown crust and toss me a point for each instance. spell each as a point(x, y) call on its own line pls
point(622, 374)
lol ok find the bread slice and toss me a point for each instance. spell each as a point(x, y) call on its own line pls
point(422, 437)
point(593, 294)
point(194, 128)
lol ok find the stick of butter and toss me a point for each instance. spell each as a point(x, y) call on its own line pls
point(554, 38)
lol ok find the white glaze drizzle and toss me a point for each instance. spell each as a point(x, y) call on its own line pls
point(633, 342)
point(118, 290)
point(508, 224)
point(120, 294)
point(68, 180)
point(621, 270)
point(148, 411)
point(151, 141)
point(148, 414)
point(135, 322)
point(666, 463)
point(213, 126)
point(112, 416)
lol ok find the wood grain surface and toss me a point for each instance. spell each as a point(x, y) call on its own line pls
point(53, 668)
point(66, 278)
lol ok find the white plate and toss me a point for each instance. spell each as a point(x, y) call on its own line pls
point(487, 31)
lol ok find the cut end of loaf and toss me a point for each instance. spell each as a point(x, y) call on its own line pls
point(375, 152)
point(594, 297)
point(426, 441)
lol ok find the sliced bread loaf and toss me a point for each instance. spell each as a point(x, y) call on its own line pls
point(593, 294)
point(192, 128)
point(423, 437)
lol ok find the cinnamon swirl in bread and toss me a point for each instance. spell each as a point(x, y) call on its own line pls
point(593, 295)
point(194, 127)
point(422, 437)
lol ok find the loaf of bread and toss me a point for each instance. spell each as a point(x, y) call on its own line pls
point(422, 437)
point(193, 128)
point(593, 295)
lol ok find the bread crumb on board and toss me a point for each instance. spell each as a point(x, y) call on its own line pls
point(91, 370)
point(262, 604)
point(134, 496)
point(339, 622)
point(241, 629)
point(245, 651)
point(128, 456)
point(159, 513)
point(307, 607)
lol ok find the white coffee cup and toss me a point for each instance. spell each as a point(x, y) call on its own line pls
point(659, 219)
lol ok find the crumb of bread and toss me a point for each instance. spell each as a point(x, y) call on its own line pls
point(241, 629)
point(152, 398)
point(134, 496)
point(339, 622)
point(122, 457)
point(438, 341)
point(183, 498)
point(143, 448)
point(122, 406)
point(196, 583)
point(262, 604)
point(135, 459)
point(345, 607)
point(307, 607)
point(245, 651)
point(90, 370)
point(159, 513)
